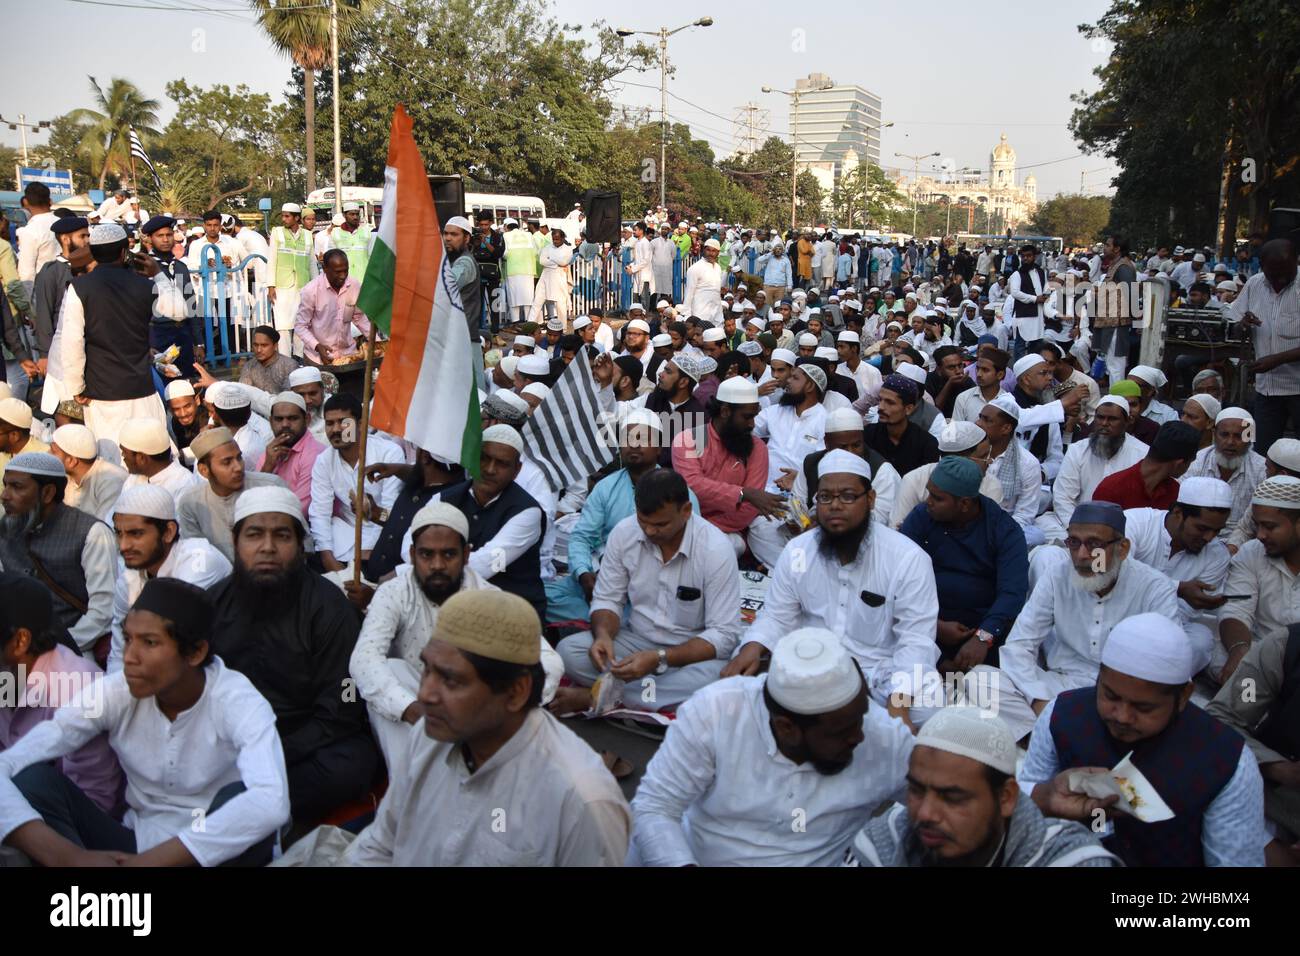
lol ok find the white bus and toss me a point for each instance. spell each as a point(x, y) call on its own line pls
point(499, 206)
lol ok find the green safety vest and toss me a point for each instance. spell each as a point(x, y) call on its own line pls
point(521, 254)
point(357, 246)
point(293, 256)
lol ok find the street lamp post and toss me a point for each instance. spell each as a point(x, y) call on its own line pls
point(663, 33)
point(23, 126)
point(338, 149)
point(916, 172)
point(794, 140)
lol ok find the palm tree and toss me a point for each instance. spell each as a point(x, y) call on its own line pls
point(119, 108)
point(301, 28)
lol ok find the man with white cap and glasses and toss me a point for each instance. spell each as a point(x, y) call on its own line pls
point(484, 750)
point(703, 295)
point(1283, 458)
point(1233, 459)
point(678, 575)
point(860, 579)
point(551, 296)
point(1109, 449)
point(1139, 711)
point(291, 266)
point(844, 432)
point(801, 744)
point(1261, 585)
point(206, 509)
point(404, 613)
point(94, 483)
point(69, 551)
point(1072, 606)
point(148, 459)
point(964, 807)
point(150, 545)
point(1183, 544)
point(104, 333)
point(291, 633)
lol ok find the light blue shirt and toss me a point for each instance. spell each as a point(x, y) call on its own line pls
point(1232, 830)
point(777, 271)
point(612, 500)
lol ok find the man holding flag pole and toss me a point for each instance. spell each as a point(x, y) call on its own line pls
point(426, 388)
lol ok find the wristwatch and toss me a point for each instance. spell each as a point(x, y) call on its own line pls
point(662, 666)
point(984, 636)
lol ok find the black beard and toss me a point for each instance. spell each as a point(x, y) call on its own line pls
point(266, 596)
point(737, 441)
point(977, 857)
point(438, 595)
point(790, 399)
point(845, 545)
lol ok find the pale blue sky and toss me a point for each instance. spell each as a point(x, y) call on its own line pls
point(1023, 63)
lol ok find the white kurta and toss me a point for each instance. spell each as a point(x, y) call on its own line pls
point(719, 791)
point(333, 485)
point(1082, 471)
point(703, 296)
point(555, 284)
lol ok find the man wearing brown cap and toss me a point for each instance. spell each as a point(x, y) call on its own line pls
point(488, 777)
point(206, 510)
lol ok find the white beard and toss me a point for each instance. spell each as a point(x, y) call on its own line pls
point(1096, 582)
point(1230, 462)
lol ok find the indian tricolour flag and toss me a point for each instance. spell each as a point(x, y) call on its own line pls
point(426, 390)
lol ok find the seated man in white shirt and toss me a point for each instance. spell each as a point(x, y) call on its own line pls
point(207, 510)
point(1017, 471)
point(148, 459)
point(486, 751)
point(334, 485)
point(1074, 603)
point(802, 743)
point(233, 408)
point(94, 482)
point(403, 614)
point(1261, 577)
point(679, 574)
point(863, 581)
point(1140, 711)
point(1233, 459)
point(1109, 448)
point(223, 759)
point(149, 542)
point(844, 432)
point(1182, 543)
point(1151, 380)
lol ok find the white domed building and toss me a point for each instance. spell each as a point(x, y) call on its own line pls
point(1009, 204)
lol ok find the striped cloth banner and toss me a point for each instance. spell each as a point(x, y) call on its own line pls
point(564, 436)
point(137, 150)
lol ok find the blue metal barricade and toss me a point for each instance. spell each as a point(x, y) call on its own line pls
point(233, 303)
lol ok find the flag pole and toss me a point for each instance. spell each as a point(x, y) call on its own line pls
point(361, 457)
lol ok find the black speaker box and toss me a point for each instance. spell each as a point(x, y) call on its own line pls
point(604, 216)
point(448, 196)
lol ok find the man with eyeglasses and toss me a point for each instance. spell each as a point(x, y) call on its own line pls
point(863, 581)
point(1075, 602)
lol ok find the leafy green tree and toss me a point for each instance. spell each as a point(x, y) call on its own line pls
point(1078, 220)
point(231, 138)
point(865, 197)
point(118, 108)
point(301, 30)
point(1197, 100)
